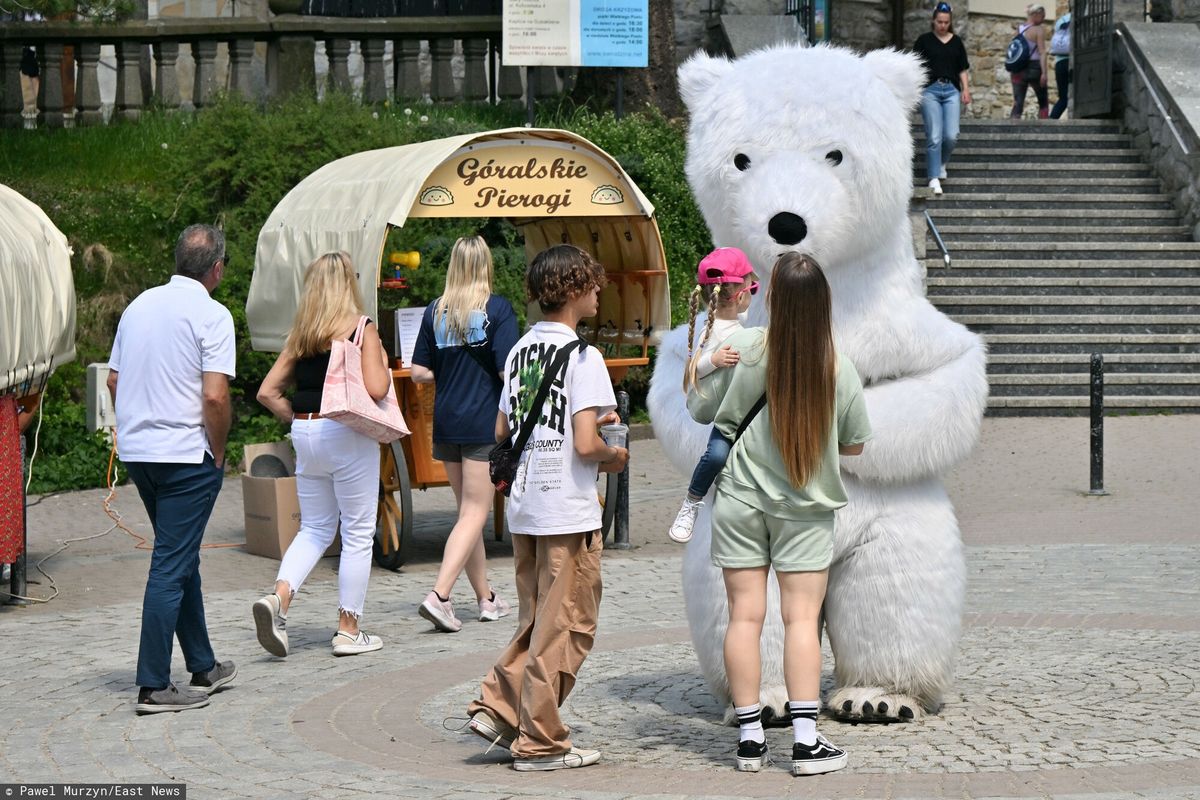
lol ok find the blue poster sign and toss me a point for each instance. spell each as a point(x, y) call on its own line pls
point(614, 33)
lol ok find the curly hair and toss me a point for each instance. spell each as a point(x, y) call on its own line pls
point(561, 273)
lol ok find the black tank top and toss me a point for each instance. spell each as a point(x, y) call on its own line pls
point(310, 382)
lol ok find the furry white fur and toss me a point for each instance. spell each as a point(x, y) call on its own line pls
point(897, 581)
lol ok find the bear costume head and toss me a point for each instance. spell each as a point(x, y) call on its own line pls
point(801, 148)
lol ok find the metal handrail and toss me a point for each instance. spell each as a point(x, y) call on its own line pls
point(1166, 115)
point(937, 237)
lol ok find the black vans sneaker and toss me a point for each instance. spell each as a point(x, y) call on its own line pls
point(813, 759)
point(751, 755)
point(155, 701)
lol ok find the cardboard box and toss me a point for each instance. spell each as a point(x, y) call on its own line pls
point(270, 504)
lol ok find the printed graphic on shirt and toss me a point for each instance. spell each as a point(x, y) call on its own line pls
point(542, 467)
point(477, 324)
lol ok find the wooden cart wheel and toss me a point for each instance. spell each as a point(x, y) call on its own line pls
point(393, 526)
point(609, 501)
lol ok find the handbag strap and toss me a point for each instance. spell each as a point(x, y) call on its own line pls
point(750, 415)
point(482, 360)
point(358, 332)
point(560, 362)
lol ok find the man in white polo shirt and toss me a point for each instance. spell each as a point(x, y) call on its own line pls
point(169, 376)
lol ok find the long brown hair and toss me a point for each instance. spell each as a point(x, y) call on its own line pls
point(801, 364)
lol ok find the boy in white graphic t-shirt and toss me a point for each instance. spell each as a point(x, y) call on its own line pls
point(554, 515)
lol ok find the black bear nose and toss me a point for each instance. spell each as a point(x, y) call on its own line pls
point(787, 228)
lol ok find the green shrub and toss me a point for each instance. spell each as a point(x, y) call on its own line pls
point(130, 189)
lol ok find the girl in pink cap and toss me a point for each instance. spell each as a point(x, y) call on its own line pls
point(725, 281)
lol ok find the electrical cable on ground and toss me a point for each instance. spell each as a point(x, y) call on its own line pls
point(111, 482)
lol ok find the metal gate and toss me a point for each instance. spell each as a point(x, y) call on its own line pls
point(1091, 57)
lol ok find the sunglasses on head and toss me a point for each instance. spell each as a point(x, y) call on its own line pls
point(752, 289)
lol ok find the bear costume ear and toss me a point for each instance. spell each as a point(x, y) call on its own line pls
point(902, 73)
point(698, 75)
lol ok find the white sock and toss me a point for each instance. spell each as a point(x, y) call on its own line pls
point(750, 723)
point(804, 720)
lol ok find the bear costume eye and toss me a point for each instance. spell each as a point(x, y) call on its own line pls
point(742, 161)
point(834, 157)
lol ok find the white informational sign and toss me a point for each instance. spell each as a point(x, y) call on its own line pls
point(576, 33)
point(408, 324)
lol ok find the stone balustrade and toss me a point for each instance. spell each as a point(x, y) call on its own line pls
point(291, 62)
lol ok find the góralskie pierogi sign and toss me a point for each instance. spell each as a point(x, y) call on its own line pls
point(521, 180)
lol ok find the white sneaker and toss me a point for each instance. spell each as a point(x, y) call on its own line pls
point(936, 185)
point(492, 610)
point(685, 520)
point(440, 613)
point(271, 625)
point(573, 758)
point(346, 645)
point(942, 174)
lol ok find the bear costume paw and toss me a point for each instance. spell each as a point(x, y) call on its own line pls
point(873, 704)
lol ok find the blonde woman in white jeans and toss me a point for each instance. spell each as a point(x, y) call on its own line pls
point(337, 468)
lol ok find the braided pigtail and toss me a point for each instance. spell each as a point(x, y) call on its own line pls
point(689, 374)
point(714, 297)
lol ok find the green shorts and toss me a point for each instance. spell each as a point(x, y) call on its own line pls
point(457, 453)
point(743, 536)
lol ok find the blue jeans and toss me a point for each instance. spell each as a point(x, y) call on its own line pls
point(710, 464)
point(941, 108)
point(179, 499)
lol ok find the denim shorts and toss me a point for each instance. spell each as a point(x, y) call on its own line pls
point(456, 453)
point(743, 537)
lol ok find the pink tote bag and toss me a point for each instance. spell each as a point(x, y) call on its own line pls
point(345, 397)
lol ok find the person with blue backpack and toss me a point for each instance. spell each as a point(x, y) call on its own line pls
point(1025, 63)
point(947, 90)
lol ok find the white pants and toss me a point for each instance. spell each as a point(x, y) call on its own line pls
point(337, 470)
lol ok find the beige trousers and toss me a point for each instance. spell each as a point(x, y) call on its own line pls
point(558, 588)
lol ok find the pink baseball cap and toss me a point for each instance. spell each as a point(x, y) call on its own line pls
point(723, 265)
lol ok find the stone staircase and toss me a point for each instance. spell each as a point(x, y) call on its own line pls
point(1062, 245)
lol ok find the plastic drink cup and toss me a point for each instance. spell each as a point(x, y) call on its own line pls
point(615, 434)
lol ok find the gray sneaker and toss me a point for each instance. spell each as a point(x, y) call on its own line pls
point(573, 758)
point(155, 701)
point(208, 682)
point(271, 625)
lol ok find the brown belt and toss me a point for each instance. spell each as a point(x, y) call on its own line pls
point(306, 415)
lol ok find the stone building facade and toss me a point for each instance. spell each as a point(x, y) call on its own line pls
point(986, 27)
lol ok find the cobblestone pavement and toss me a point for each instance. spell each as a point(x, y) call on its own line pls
point(1077, 673)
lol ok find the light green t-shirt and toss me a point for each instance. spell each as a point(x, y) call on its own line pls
point(755, 472)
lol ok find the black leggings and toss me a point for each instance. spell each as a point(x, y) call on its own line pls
point(1062, 77)
point(1030, 77)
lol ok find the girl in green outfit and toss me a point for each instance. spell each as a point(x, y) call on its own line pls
point(775, 499)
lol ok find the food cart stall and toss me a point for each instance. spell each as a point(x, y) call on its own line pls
point(37, 334)
point(553, 185)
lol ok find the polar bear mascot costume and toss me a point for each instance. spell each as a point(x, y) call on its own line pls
point(809, 149)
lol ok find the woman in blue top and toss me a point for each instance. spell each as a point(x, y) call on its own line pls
point(464, 340)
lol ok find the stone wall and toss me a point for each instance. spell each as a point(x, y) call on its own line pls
point(1175, 10)
point(1179, 173)
point(862, 24)
point(991, 85)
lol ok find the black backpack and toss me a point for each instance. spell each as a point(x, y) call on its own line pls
point(1019, 53)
